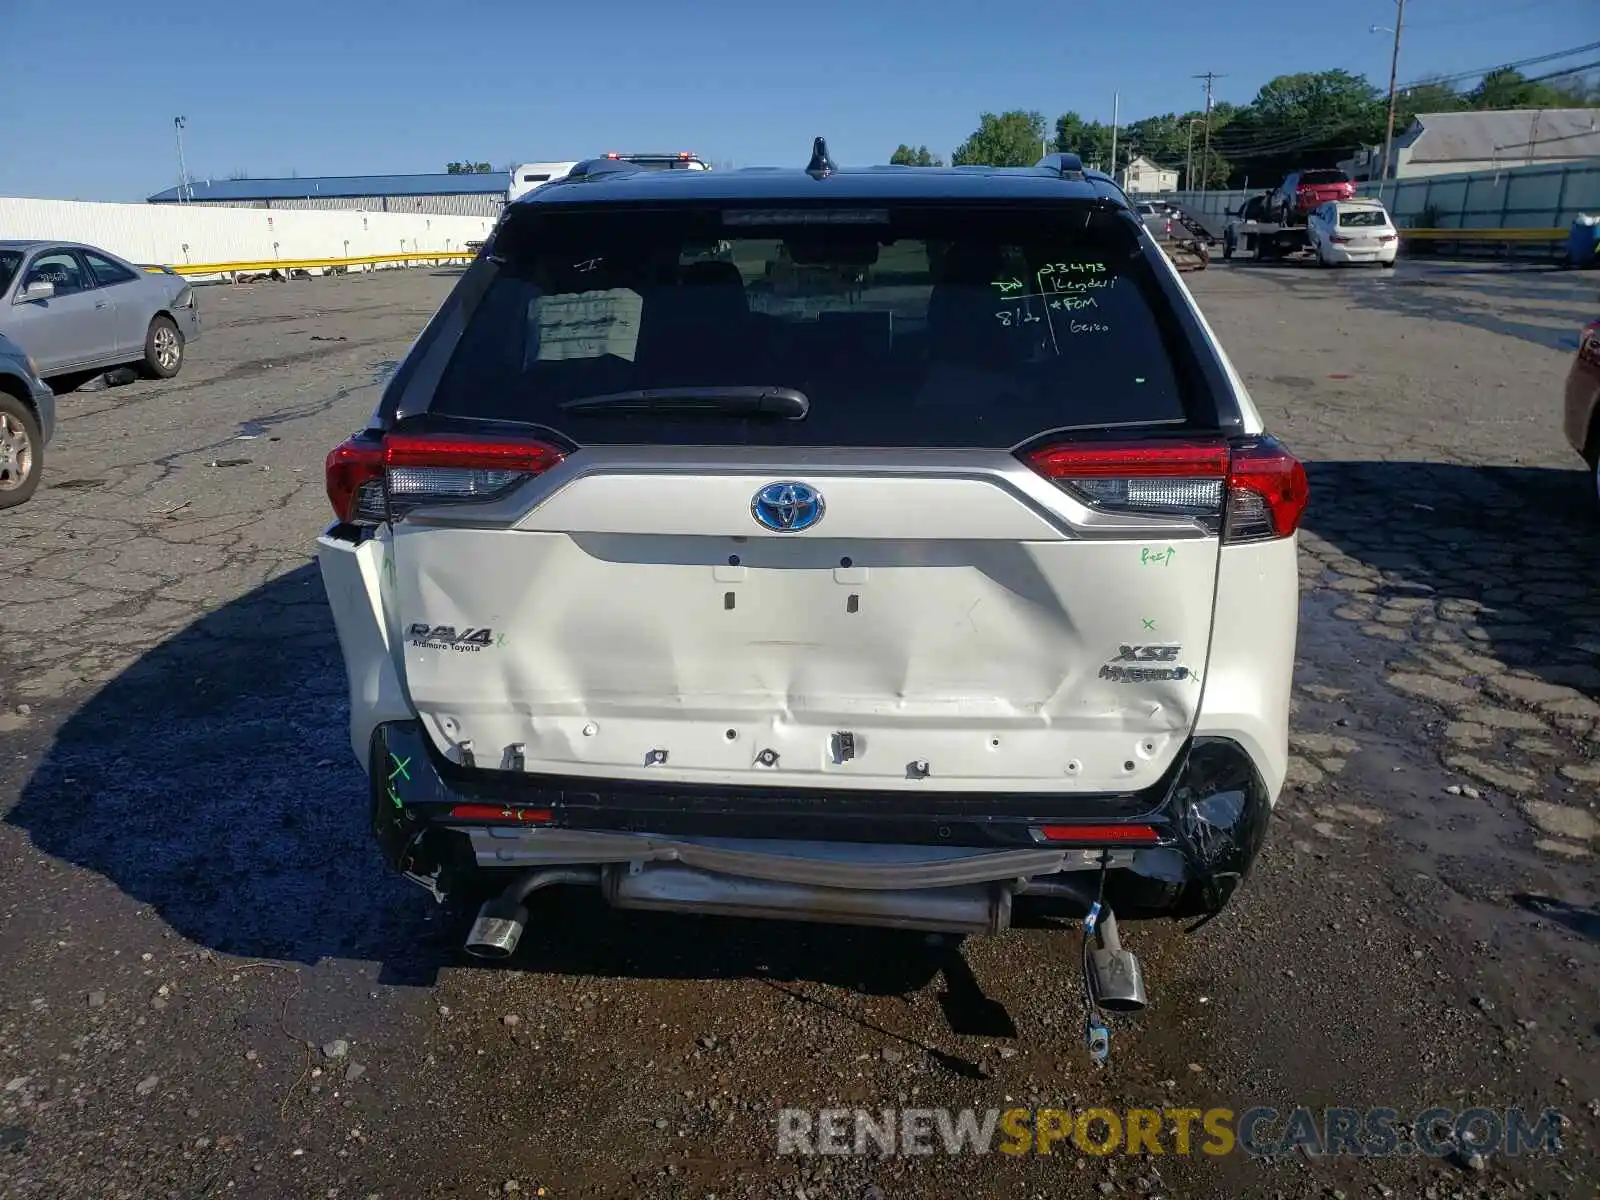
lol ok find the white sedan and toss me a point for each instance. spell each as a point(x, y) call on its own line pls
point(1353, 231)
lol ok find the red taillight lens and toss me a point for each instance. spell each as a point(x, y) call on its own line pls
point(1267, 492)
point(369, 481)
point(353, 474)
point(501, 814)
point(1253, 490)
point(1098, 835)
point(1338, 237)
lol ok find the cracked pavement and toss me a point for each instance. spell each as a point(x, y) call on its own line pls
point(213, 987)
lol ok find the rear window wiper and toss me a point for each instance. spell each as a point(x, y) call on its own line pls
point(779, 402)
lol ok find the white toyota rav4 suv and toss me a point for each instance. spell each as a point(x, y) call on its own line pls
point(879, 546)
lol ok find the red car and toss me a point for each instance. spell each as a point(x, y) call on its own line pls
point(1304, 191)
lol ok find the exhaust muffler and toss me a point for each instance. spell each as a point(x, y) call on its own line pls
point(967, 909)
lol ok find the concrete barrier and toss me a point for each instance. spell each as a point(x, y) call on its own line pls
point(192, 237)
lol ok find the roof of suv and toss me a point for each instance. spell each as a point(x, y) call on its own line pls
point(862, 183)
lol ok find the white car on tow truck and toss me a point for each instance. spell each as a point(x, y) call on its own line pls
point(1352, 231)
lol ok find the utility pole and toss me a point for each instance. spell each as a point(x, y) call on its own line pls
point(1394, 67)
point(1188, 159)
point(184, 191)
point(1205, 154)
point(1114, 99)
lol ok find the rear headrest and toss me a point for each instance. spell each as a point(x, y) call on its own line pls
point(713, 272)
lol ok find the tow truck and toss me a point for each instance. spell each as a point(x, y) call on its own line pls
point(1247, 233)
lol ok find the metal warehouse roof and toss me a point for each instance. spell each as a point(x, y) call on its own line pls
point(1507, 133)
point(492, 183)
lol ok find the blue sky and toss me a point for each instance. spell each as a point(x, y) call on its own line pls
point(356, 87)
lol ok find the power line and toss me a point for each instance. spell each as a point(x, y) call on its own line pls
point(1513, 66)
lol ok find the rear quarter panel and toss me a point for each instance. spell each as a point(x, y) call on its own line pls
point(354, 578)
point(1583, 391)
point(1251, 668)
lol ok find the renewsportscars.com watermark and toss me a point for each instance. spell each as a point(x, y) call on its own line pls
point(1262, 1132)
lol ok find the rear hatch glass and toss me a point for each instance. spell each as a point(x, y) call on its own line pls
point(908, 326)
point(1323, 178)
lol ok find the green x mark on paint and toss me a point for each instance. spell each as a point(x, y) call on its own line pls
point(394, 798)
point(1148, 623)
point(499, 639)
point(400, 765)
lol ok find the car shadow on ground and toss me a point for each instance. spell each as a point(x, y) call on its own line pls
point(1582, 921)
point(574, 932)
point(1494, 560)
point(213, 781)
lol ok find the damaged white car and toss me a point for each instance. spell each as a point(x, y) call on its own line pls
point(881, 546)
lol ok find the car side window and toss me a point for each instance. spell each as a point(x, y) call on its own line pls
point(105, 271)
point(61, 268)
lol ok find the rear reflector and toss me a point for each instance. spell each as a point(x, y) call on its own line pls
point(1098, 835)
point(501, 814)
point(369, 481)
point(1255, 488)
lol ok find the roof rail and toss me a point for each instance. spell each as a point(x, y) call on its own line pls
point(1068, 166)
point(600, 166)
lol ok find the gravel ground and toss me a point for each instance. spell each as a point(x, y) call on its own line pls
point(212, 987)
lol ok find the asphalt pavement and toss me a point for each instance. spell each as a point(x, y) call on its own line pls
point(212, 986)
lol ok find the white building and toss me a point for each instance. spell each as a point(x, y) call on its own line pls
point(1141, 176)
point(1450, 142)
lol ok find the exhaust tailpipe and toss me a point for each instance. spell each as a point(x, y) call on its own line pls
point(498, 929)
point(1114, 974)
point(501, 922)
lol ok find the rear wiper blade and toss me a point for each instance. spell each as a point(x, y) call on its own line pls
point(780, 402)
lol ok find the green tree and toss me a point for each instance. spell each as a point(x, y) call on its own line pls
point(468, 168)
point(1307, 119)
point(905, 156)
point(1089, 140)
point(1010, 139)
point(1509, 88)
point(1318, 101)
point(1429, 96)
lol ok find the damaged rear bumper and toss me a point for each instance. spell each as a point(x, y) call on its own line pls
point(863, 857)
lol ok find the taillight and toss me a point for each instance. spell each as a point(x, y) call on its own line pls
point(371, 481)
point(1253, 490)
point(1338, 237)
point(1267, 491)
point(354, 477)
